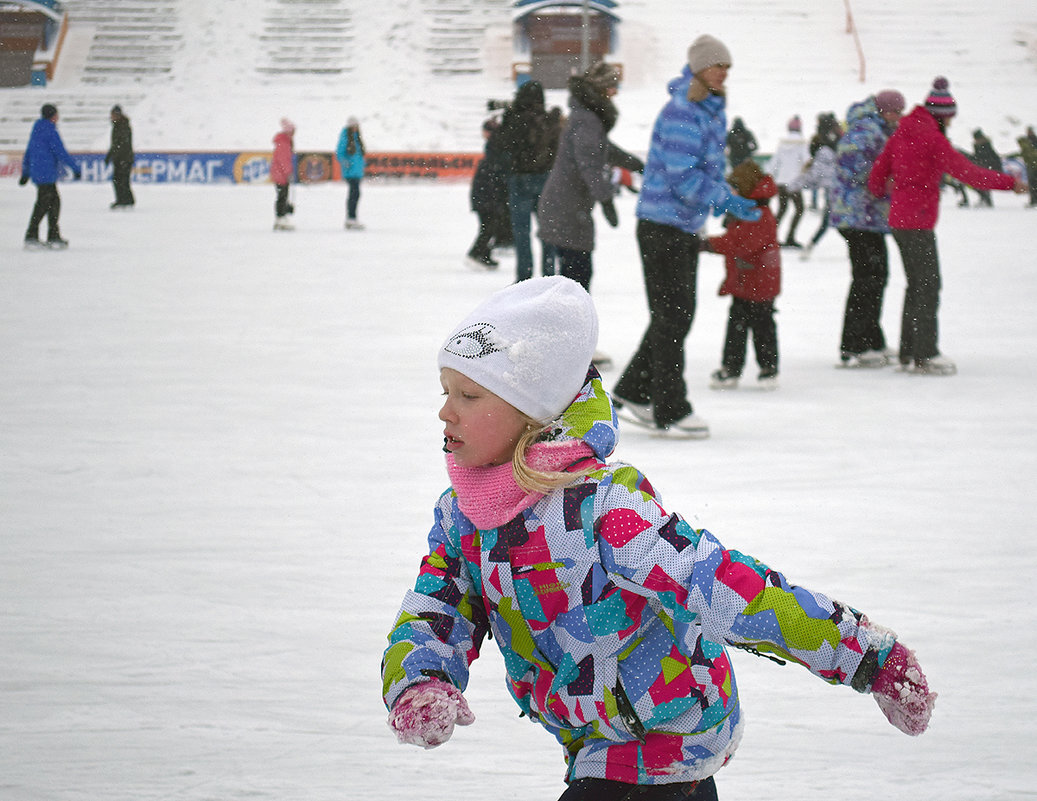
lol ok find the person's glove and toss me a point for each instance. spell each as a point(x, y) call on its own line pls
point(740, 207)
point(902, 692)
point(425, 713)
point(624, 177)
point(23, 180)
point(608, 208)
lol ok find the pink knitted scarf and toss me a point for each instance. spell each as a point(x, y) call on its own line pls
point(490, 496)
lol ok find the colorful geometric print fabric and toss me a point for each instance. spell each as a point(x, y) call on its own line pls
point(612, 616)
point(852, 203)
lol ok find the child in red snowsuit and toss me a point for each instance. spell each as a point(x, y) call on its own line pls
point(753, 280)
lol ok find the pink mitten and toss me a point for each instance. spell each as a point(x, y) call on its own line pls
point(902, 693)
point(425, 713)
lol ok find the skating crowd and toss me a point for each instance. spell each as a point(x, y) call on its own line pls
point(614, 616)
point(876, 174)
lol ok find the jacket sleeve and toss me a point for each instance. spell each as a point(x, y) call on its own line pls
point(879, 175)
point(730, 597)
point(57, 147)
point(442, 622)
point(618, 157)
point(743, 239)
point(975, 176)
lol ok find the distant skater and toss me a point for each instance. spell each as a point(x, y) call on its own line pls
point(120, 156)
point(44, 154)
point(282, 167)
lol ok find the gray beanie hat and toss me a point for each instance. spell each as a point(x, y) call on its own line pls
point(707, 51)
point(530, 344)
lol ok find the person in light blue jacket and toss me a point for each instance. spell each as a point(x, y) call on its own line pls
point(683, 182)
point(350, 153)
point(44, 154)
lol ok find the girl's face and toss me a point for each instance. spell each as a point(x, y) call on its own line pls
point(481, 429)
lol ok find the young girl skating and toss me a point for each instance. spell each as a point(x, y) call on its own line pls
point(613, 614)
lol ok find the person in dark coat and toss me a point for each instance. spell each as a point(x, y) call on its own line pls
point(529, 136)
point(984, 155)
point(489, 199)
point(581, 175)
point(120, 156)
point(741, 144)
point(44, 154)
point(1028, 153)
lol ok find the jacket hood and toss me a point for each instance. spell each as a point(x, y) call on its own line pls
point(920, 120)
point(529, 95)
point(583, 94)
point(678, 87)
point(764, 190)
point(591, 418)
point(867, 110)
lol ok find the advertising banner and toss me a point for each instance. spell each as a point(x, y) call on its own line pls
point(251, 167)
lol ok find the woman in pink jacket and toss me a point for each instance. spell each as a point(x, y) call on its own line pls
point(281, 169)
point(909, 171)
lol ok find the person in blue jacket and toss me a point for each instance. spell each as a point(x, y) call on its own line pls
point(43, 156)
point(350, 153)
point(683, 181)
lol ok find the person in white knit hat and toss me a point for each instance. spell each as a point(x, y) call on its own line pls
point(614, 616)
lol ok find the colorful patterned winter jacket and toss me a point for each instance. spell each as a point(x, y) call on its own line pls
point(684, 172)
point(612, 615)
point(851, 204)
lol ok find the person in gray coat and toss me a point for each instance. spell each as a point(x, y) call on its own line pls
point(581, 174)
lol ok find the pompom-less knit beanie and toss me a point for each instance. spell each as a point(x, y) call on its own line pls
point(530, 344)
point(707, 51)
point(940, 102)
point(890, 101)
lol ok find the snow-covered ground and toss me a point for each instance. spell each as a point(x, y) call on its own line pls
point(219, 451)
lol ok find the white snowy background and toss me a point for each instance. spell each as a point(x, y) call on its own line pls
point(219, 452)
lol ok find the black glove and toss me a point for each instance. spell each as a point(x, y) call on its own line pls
point(77, 176)
point(23, 180)
point(609, 210)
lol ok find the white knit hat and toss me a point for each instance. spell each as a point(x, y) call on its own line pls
point(530, 344)
point(707, 51)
